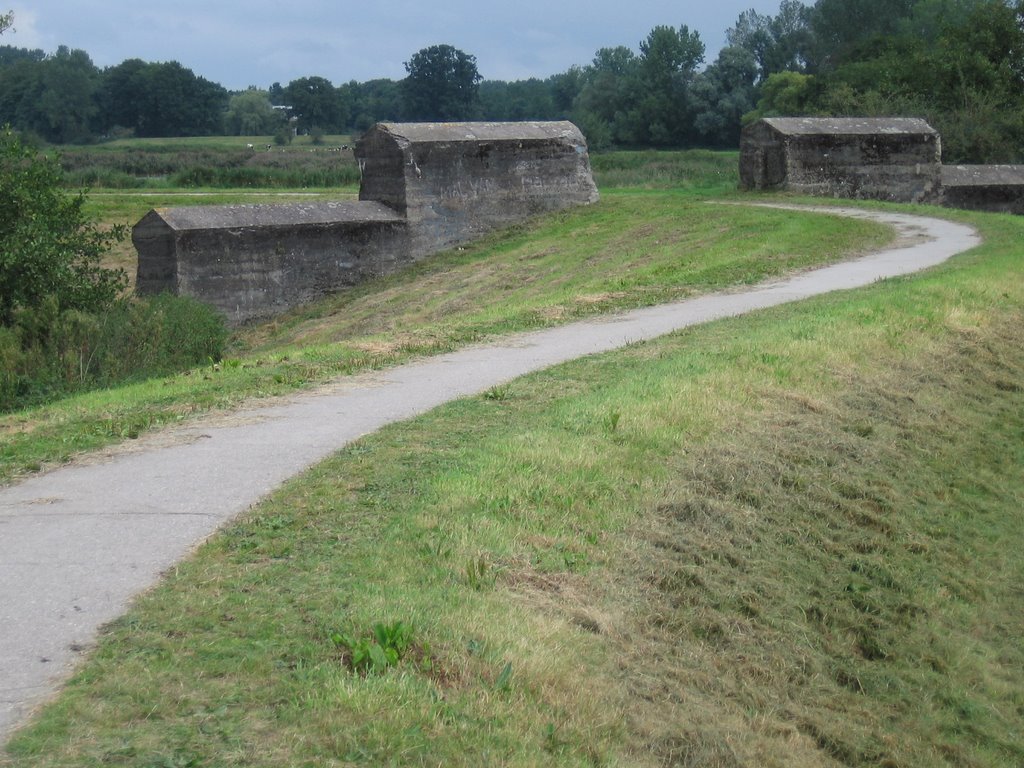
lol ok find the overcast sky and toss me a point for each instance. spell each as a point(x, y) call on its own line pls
point(259, 42)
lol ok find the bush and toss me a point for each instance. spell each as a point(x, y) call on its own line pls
point(64, 324)
point(49, 353)
point(48, 249)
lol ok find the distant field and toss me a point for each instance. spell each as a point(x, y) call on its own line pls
point(222, 162)
point(192, 143)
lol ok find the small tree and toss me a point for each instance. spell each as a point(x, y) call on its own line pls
point(48, 249)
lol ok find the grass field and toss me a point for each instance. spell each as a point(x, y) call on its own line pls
point(787, 539)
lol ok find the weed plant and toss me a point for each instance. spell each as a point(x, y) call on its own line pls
point(376, 654)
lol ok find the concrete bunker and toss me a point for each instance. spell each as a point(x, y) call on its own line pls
point(891, 158)
point(252, 261)
point(425, 188)
point(996, 188)
point(456, 181)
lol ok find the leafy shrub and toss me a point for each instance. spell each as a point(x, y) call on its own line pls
point(48, 352)
point(48, 249)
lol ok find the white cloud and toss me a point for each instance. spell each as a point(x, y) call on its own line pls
point(24, 33)
point(258, 42)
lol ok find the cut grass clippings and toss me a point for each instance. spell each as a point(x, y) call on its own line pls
point(787, 539)
point(634, 248)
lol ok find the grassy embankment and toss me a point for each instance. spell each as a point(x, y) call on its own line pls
point(788, 539)
point(792, 539)
point(638, 246)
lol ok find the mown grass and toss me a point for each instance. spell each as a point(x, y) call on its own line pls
point(787, 539)
point(633, 248)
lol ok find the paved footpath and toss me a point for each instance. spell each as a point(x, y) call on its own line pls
point(78, 543)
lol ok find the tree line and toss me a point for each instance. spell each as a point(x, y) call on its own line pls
point(957, 63)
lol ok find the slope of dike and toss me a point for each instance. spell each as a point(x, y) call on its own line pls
point(80, 542)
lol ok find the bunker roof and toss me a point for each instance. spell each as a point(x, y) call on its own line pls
point(983, 175)
point(241, 216)
point(849, 126)
point(452, 132)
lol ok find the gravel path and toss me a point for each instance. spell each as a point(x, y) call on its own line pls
point(78, 543)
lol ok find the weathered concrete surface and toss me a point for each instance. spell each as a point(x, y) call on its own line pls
point(425, 188)
point(253, 261)
point(895, 158)
point(456, 181)
point(77, 544)
point(996, 188)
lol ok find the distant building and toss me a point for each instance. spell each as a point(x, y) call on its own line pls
point(890, 158)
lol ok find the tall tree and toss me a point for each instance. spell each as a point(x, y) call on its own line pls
point(608, 95)
point(839, 26)
point(959, 63)
point(250, 113)
point(442, 84)
point(163, 99)
point(722, 94)
point(122, 93)
point(317, 104)
point(373, 101)
point(778, 43)
point(668, 61)
point(53, 96)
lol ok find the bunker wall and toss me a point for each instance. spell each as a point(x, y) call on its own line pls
point(251, 273)
point(463, 180)
point(425, 188)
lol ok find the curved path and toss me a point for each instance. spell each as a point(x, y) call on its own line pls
point(78, 543)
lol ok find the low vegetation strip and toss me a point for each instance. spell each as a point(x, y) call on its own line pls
point(786, 539)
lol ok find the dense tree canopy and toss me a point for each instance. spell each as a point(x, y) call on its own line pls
point(251, 113)
point(957, 63)
point(316, 103)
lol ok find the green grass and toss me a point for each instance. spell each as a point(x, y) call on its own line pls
point(634, 248)
point(787, 539)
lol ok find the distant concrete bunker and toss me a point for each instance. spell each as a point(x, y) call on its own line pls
point(881, 158)
point(426, 187)
point(893, 158)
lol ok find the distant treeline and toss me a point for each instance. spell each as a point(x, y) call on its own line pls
point(957, 63)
